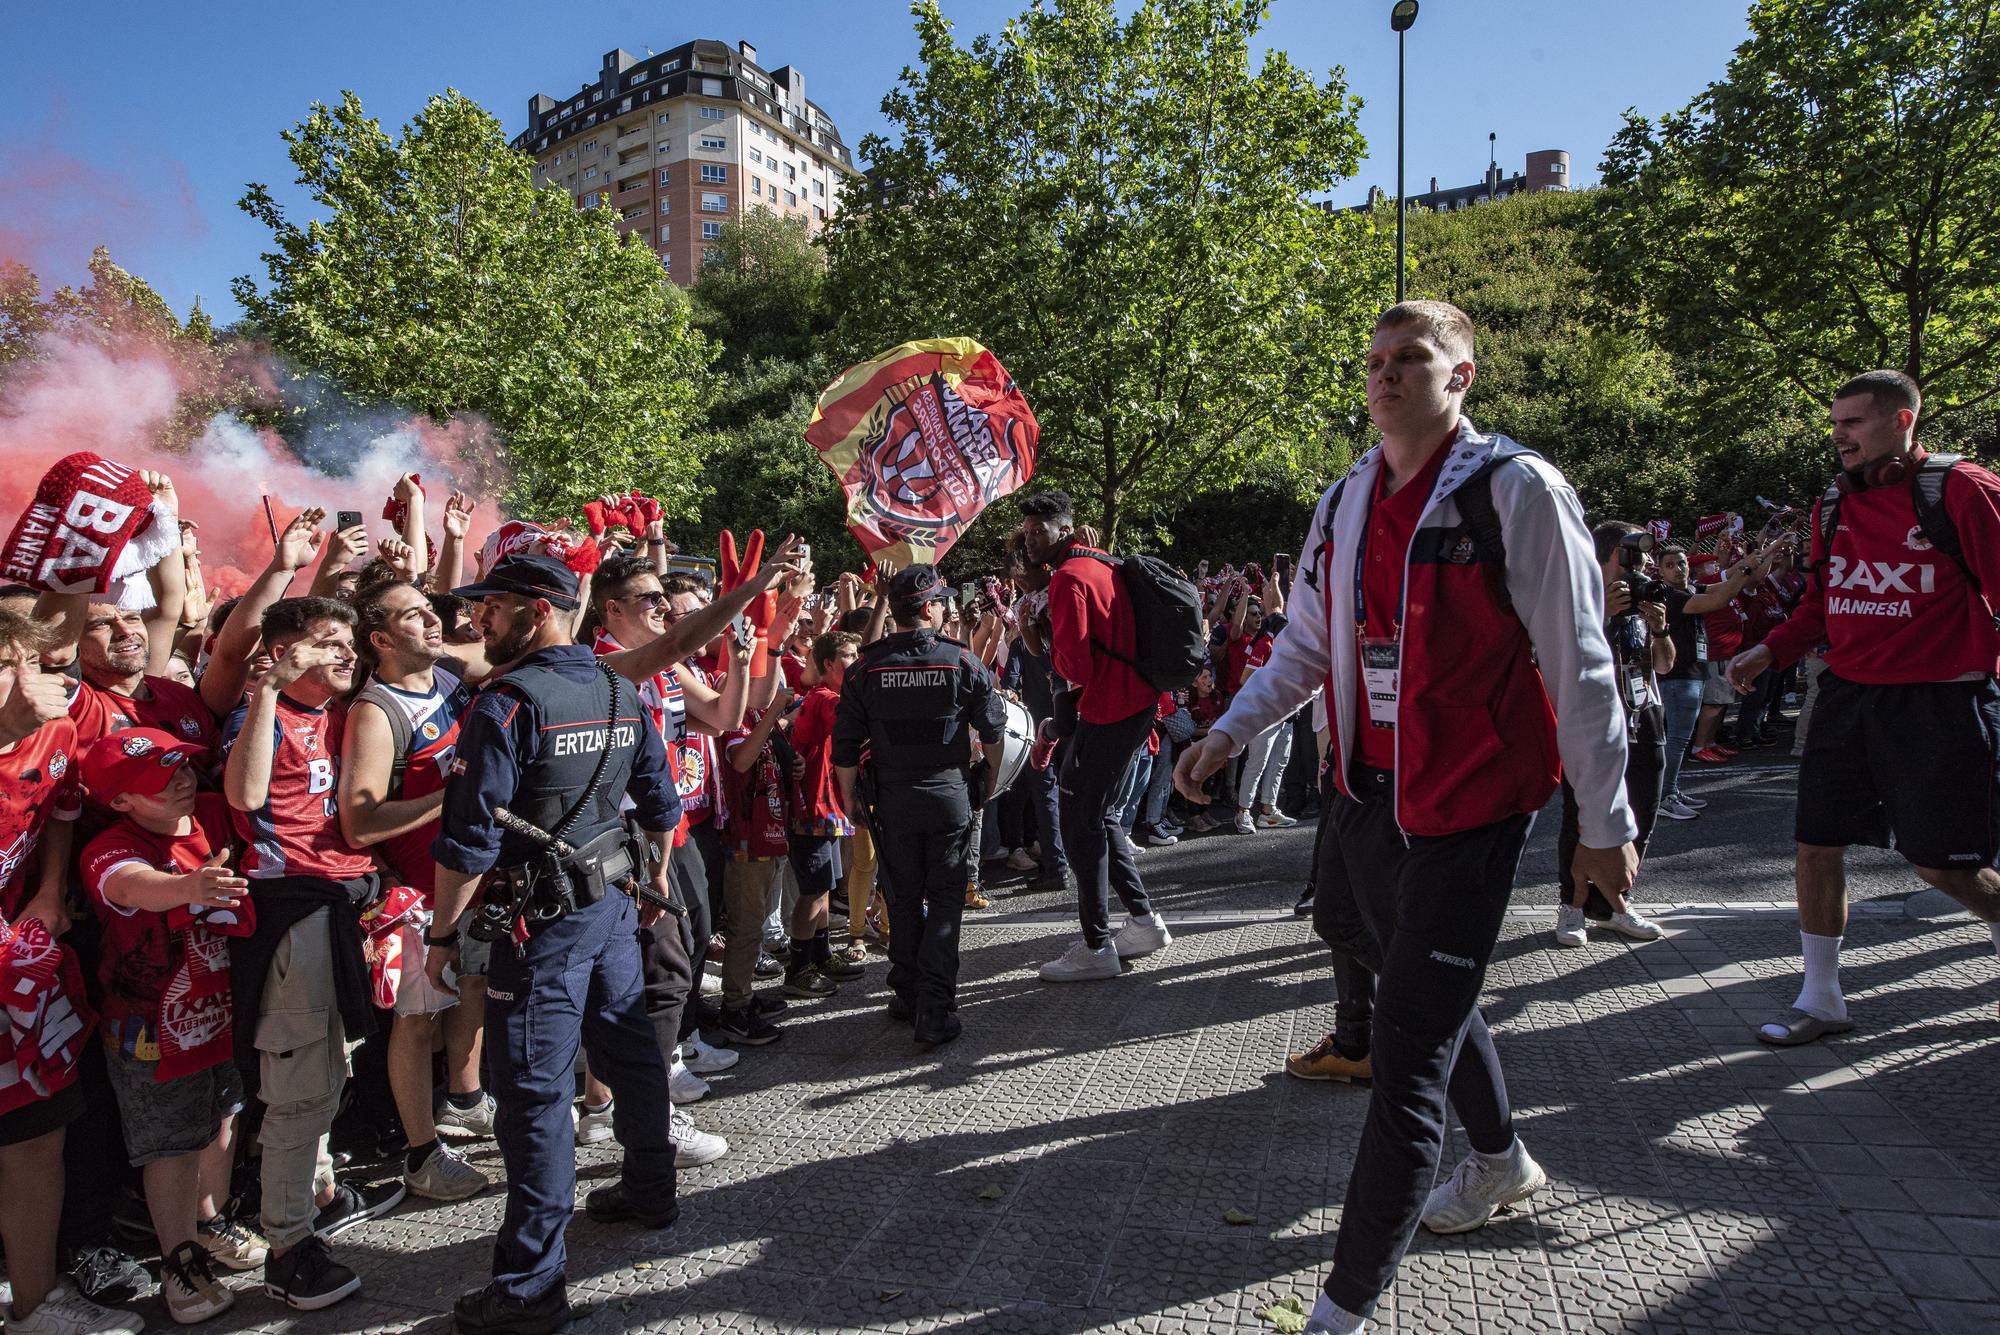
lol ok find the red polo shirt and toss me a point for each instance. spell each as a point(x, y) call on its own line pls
point(1392, 524)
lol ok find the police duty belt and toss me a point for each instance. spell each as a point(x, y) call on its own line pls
point(563, 849)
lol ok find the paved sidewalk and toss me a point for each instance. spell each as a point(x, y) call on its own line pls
point(1068, 1165)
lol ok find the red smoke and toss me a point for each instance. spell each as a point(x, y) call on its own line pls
point(115, 397)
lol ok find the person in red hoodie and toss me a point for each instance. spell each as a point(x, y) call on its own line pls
point(1905, 739)
point(1092, 640)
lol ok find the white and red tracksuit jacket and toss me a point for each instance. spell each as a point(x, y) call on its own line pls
point(1482, 733)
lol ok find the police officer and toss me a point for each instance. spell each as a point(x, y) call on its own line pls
point(558, 741)
point(913, 701)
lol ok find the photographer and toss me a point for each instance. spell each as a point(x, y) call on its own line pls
point(1635, 624)
point(1682, 686)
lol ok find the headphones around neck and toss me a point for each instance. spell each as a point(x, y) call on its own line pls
point(1887, 471)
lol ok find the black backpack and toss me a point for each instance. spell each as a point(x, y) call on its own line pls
point(1927, 497)
point(1166, 621)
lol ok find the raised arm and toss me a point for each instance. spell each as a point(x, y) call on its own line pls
point(236, 643)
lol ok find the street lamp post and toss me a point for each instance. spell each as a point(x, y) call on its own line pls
point(1400, 18)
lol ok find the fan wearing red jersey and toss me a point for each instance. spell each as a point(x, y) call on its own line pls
point(1905, 738)
point(167, 900)
point(401, 736)
point(44, 1027)
point(301, 980)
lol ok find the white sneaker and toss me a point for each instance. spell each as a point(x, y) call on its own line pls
point(1673, 810)
point(592, 1128)
point(683, 1085)
point(1124, 840)
point(693, 1146)
point(711, 984)
point(1142, 936)
point(1635, 926)
point(446, 1177)
point(455, 1123)
point(1080, 964)
point(705, 1060)
point(1275, 819)
point(1479, 1186)
point(1243, 824)
point(1571, 929)
point(67, 1312)
point(1022, 860)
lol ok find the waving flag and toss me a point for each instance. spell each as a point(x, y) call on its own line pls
point(922, 439)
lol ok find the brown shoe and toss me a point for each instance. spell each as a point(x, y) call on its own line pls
point(1324, 1062)
point(975, 900)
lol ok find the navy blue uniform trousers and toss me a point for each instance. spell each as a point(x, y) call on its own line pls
point(1435, 906)
point(924, 862)
point(577, 981)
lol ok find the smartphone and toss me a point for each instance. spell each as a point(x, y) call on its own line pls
point(346, 519)
point(741, 631)
point(1282, 563)
point(805, 553)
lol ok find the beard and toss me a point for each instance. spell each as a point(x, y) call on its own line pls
point(508, 645)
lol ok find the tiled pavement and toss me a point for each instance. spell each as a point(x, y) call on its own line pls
point(1069, 1164)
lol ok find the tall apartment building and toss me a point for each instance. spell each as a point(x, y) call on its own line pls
point(683, 141)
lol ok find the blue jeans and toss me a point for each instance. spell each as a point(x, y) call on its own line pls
point(576, 981)
point(1132, 793)
point(1683, 702)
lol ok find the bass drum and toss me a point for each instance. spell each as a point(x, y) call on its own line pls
point(1017, 739)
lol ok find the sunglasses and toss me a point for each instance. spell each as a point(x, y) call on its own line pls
point(655, 600)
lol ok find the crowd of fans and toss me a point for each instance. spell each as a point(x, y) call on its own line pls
point(161, 762)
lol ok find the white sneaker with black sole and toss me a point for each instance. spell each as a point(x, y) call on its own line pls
point(1480, 1185)
point(1081, 964)
point(1142, 936)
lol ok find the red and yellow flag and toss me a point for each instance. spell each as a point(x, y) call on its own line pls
point(922, 438)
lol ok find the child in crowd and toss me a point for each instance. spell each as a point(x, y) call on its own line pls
point(757, 843)
point(818, 823)
point(163, 889)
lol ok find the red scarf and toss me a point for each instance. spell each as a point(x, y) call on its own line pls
point(46, 1020)
point(192, 1024)
point(91, 526)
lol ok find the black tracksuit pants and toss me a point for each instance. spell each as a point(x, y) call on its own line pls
point(923, 862)
point(1337, 920)
point(1435, 905)
point(1092, 774)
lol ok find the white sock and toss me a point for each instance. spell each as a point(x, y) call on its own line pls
point(1820, 994)
point(1994, 927)
point(1338, 1320)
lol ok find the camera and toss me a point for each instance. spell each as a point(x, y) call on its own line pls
point(1632, 551)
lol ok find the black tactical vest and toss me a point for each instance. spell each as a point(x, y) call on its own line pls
point(913, 689)
point(573, 735)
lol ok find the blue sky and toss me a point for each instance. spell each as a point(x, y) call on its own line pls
point(136, 124)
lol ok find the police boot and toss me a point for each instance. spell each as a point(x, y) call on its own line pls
point(611, 1204)
point(938, 1026)
point(488, 1311)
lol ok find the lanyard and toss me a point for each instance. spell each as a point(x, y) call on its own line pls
point(1360, 579)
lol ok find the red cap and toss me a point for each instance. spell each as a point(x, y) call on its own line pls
point(135, 760)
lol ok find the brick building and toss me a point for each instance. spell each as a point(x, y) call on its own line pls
point(1545, 169)
point(685, 140)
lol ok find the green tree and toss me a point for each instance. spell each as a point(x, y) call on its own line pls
point(761, 296)
point(441, 280)
point(1827, 206)
point(1116, 208)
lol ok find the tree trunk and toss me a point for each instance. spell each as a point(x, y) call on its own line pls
point(1113, 516)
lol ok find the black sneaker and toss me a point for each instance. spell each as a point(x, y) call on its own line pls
point(1304, 908)
point(1051, 881)
point(767, 966)
point(744, 1027)
point(808, 982)
point(899, 1009)
point(107, 1275)
point(308, 1278)
point(353, 1205)
point(769, 1005)
point(488, 1311)
point(938, 1026)
point(610, 1205)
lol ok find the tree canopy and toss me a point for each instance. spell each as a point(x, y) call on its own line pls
point(442, 280)
point(1117, 208)
point(1827, 207)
